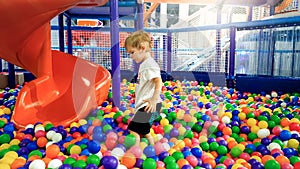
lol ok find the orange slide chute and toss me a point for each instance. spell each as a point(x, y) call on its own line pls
point(67, 88)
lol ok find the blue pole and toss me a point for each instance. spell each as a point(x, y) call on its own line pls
point(140, 17)
point(115, 51)
point(1, 69)
point(164, 52)
point(232, 57)
point(250, 13)
point(11, 76)
point(218, 41)
point(69, 32)
point(155, 49)
point(139, 25)
point(169, 55)
point(61, 32)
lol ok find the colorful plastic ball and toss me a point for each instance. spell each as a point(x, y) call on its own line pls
point(93, 147)
point(129, 140)
point(149, 163)
point(37, 164)
point(172, 166)
point(93, 159)
point(128, 160)
point(285, 135)
point(52, 151)
point(149, 151)
point(272, 164)
point(65, 166)
point(293, 143)
point(55, 163)
point(109, 162)
point(193, 161)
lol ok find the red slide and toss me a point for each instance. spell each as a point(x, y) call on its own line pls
point(67, 88)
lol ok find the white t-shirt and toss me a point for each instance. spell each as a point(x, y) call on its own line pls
point(148, 70)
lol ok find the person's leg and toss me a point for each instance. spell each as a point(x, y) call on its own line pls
point(137, 138)
point(150, 138)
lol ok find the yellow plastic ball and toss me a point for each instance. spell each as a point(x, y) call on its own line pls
point(164, 122)
point(256, 158)
point(6, 111)
point(242, 116)
point(228, 114)
point(14, 142)
point(251, 122)
point(254, 129)
point(240, 146)
point(263, 124)
point(236, 166)
point(240, 161)
point(4, 166)
point(82, 122)
point(293, 143)
point(181, 130)
point(75, 149)
point(202, 139)
point(4, 146)
point(74, 124)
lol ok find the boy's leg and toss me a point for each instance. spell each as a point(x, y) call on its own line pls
point(150, 138)
point(137, 138)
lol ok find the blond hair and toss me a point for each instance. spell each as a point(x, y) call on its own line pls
point(137, 39)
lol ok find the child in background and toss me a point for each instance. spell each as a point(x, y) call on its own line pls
point(149, 84)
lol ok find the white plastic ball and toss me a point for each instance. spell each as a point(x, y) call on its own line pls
point(55, 164)
point(274, 94)
point(166, 146)
point(50, 134)
point(121, 166)
point(117, 152)
point(39, 127)
point(226, 120)
point(37, 164)
point(29, 126)
point(49, 143)
point(57, 137)
point(272, 146)
point(263, 133)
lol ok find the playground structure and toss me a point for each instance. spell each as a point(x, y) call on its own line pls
point(62, 79)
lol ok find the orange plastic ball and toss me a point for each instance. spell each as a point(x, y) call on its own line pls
point(128, 160)
point(19, 162)
point(52, 151)
point(181, 162)
point(42, 141)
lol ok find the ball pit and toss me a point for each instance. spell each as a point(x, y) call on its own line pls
point(201, 126)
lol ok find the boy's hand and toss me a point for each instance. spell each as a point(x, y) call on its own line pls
point(151, 107)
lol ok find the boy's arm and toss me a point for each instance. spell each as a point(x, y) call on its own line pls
point(151, 107)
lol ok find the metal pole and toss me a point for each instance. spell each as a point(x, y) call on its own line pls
point(232, 57)
point(115, 51)
point(69, 32)
point(169, 54)
point(61, 32)
point(11, 75)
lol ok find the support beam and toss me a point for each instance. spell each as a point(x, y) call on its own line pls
point(150, 10)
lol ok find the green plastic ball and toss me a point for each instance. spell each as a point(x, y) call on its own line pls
point(129, 140)
point(169, 160)
point(177, 155)
point(222, 150)
point(272, 164)
point(204, 146)
point(149, 163)
point(172, 166)
point(93, 159)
